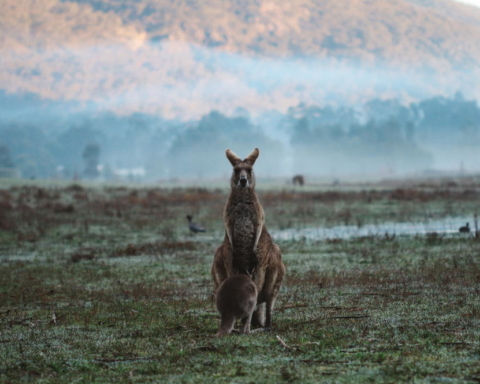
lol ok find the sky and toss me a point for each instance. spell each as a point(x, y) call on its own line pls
point(472, 2)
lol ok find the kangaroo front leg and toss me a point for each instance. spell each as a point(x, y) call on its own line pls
point(229, 235)
point(257, 237)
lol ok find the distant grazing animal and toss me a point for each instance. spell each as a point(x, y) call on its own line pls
point(464, 229)
point(298, 180)
point(247, 247)
point(236, 299)
point(195, 228)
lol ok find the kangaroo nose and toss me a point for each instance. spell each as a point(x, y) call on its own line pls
point(243, 181)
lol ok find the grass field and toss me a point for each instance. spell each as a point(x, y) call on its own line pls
point(105, 284)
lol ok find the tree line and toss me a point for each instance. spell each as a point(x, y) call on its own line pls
point(382, 136)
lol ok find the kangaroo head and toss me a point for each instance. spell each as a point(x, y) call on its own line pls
point(242, 176)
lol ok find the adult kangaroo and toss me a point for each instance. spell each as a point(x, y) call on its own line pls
point(247, 247)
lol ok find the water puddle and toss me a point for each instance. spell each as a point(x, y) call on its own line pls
point(448, 225)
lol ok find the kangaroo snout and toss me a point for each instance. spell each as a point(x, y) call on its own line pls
point(243, 178)
point(243, 181)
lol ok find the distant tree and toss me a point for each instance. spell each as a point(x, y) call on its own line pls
point(315, 115)
point(73, 141)
point(199, 151)
point(360, 148)
point(5, 159)
point(91, 157)
point(31, 150)
point(444, 119)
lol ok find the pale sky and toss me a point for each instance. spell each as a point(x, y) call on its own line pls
point(473, 2)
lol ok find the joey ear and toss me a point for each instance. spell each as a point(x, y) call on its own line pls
point(232, 157)
point(252, 157)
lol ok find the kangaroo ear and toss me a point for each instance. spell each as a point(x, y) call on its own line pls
point(252, 157)
point(232, 157)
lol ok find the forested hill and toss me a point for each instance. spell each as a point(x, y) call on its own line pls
point(175, 56)
point(431, 32)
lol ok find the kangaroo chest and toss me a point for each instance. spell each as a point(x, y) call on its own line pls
point(243, 233)
point(244, 220)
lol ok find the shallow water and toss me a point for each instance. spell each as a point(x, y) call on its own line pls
point(448, 225)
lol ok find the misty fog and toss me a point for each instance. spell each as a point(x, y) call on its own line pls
point(380, 138)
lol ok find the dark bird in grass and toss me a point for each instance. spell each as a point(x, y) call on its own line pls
point(195, 228)
point(464, 229)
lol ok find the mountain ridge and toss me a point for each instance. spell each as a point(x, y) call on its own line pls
point(172, 57)
point(330, 28)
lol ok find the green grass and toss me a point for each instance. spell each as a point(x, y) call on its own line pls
point(117, 290)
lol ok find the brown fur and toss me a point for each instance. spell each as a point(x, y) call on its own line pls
point(236, 299)
point(247, 246)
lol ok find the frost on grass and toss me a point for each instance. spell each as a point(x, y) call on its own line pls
point(118, 289)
